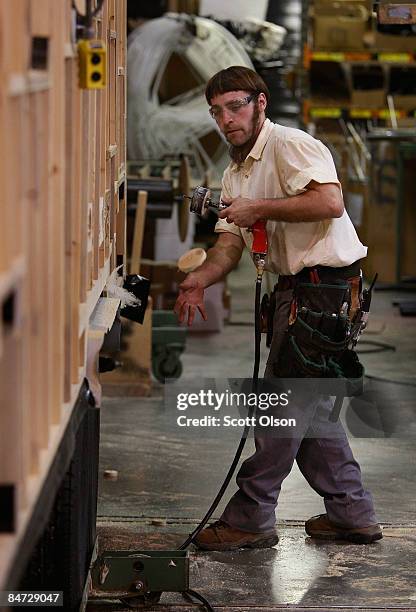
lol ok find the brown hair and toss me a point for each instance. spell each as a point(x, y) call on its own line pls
point(234, 79)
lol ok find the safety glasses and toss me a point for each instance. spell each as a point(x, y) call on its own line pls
point(232, 107)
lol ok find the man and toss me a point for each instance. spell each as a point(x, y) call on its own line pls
point(287, 177)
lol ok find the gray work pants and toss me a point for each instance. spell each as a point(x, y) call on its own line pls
point(327, 462)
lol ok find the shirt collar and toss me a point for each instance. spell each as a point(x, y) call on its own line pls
point(258, 147)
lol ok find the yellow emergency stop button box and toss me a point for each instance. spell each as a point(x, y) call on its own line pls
point(92, 58)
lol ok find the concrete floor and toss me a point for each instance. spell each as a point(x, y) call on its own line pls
point(167, 479)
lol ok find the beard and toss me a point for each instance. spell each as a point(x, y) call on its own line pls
point(239, 153)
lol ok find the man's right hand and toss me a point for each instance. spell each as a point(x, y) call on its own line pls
point(191, 297)
point(221, 258)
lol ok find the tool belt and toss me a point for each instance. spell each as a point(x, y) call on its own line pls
point(316, 341)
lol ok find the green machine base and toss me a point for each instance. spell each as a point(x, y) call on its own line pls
point(168, 342)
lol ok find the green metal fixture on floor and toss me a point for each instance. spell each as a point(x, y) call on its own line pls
point(140, 576)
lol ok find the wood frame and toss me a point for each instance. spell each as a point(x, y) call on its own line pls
point(62, 231)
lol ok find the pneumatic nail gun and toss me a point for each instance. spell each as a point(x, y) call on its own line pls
point(201, 203)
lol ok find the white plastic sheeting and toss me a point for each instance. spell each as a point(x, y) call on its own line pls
point(155, 129)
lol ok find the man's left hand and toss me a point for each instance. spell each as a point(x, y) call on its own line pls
point(243, 212)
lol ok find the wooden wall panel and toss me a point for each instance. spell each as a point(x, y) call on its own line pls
point(40, 15)
point(56, 212)
point(61, 228)
point(69, 262)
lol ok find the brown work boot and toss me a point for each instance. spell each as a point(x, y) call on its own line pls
point(321, 527)
point(220, 536)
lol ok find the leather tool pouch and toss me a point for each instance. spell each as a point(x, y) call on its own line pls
point(315, 343)
point(267, 308)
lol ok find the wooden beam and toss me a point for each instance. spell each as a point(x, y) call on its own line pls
point(139, 221)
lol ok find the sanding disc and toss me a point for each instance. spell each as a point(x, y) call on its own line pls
point(191, 260)
point(183, 187)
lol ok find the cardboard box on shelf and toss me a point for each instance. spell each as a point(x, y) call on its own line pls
point(392, 42)
point(407, 122)
point(404, 102)
point(367, 98)
point(329, 83)
point(395, 13)
point(402, 86)
point(368, 86)
point(340, 25)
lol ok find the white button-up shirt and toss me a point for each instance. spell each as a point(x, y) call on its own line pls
point(281, 163)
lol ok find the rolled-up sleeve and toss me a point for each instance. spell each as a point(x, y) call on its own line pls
point(222, 225)
point(304, 160)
